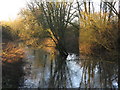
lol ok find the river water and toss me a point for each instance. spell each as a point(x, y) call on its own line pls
point(46, 70)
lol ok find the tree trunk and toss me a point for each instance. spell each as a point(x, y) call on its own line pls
point(62, 50)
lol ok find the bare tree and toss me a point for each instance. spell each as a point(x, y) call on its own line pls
point(58, 16)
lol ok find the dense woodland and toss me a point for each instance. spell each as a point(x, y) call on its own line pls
point(63, 28)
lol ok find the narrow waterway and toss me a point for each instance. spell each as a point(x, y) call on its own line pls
point(46, 70)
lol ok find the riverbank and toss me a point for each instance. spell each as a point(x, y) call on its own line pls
point(12, 59)
point(106, 56)
point(11, 74)
point(12, 65)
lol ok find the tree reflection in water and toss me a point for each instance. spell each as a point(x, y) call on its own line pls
point(55, 71)
point(60, 76)
point(99, 74)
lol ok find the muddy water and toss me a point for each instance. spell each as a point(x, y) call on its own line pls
point(46, 70)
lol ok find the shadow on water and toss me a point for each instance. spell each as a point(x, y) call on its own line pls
point(53, 71)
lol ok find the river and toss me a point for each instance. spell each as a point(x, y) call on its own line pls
point(46, 70)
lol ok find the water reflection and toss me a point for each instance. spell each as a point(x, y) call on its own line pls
point(99, 74)
point(53, 71)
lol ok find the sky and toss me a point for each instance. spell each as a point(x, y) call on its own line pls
point(10, 8)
